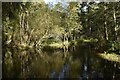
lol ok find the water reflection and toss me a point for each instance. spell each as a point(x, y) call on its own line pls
point(82, 63)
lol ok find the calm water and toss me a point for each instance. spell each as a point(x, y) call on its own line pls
point(80, 62)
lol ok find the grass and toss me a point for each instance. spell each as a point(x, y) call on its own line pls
point(110, 56)
point(59, 45)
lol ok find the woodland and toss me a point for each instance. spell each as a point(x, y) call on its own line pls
point(32, 29)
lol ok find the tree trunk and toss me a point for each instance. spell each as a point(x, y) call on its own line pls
point(115, 24)
point(105, 26)
point(105, 31)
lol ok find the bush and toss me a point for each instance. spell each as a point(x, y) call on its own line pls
point(113, 46)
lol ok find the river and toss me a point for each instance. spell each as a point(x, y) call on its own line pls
point(81, 63)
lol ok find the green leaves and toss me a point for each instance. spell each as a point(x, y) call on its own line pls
point(114, 46)
point(31, 22)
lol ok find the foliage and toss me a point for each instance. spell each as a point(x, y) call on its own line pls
point(114, 47)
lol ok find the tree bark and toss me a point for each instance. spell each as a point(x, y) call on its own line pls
point(115, 24)
point(105, 26)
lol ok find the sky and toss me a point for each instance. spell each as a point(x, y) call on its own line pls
point(53, 1)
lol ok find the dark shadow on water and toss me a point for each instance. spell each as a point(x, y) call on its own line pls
point(82, 63)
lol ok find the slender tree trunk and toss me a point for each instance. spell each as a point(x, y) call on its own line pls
point(115, 24)
point(105, 26)
point(22, 18)
point(105, 31)
point(67, 41)
point(20, 27)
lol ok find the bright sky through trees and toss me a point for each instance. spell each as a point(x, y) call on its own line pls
point(53, 1)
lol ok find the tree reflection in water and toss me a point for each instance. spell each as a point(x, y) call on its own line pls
point(81, 63)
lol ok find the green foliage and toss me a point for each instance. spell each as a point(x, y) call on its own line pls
point(30, 24)
point(114, 46)
point(49, 41)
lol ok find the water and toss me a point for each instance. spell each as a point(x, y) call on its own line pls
point(82, 63)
